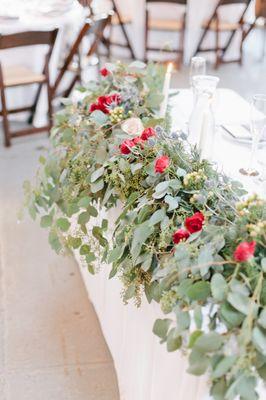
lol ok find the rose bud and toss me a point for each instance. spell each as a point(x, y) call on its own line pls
point(244, 251)
point(104, 72)
point(147, 133)
point(137, 140)
point(180, 235)
point(161, 164)
point(126, 145)
point(194, 223)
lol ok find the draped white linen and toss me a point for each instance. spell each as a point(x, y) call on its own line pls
point(145, 370)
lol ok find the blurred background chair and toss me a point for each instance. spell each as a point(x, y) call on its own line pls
point(94, 29)
point(219, 26)
point(19, 75)
point(173, 25)
point(121, 21)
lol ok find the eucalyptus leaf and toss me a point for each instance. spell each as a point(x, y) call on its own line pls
point(242, 303)
point(97, 174)
point(199, 291)
point(157, 217)
point(99, 118)
point(259, 340)
point(63, 224)
point(262, 318)
point(97, 186)
point(160, 327)
point(198, 363)
point(141, 234)
point(209, 342)
point(174, 340)
point(173, 202)
point(84, 218)
point(224, 366)
point(219, 287)
point(115, 254)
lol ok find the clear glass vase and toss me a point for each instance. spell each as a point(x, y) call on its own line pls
point(201, 126)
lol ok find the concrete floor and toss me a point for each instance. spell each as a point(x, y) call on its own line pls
point(51, 345)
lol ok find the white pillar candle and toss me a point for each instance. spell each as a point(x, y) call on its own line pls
point(166, 87)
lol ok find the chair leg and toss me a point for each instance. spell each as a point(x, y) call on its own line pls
point(182, 42)
point(198, 49)
point(5, 119)
point(217, 44)
point(108, 42)
point(146, 34)
point(241, 45)
point(34, 107)
point(124, 31)
point(50, 106)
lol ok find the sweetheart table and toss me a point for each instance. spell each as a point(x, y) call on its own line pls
point(145, 370)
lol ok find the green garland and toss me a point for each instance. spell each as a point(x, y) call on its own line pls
point(183, 237)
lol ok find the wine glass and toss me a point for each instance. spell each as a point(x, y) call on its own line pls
point(197, 67)
point(258, 132)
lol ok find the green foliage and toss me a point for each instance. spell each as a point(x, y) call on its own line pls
point(217, 305)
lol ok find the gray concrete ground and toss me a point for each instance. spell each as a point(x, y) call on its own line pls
point(51, 345)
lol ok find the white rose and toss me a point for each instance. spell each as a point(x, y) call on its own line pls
point(132, 126)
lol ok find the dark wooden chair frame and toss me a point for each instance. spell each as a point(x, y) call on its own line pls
point(18, 40)
point(99, 32)
point(107, 41)
point(220, 51)
point(260, 13)
point(180, 49)
point(98, 27)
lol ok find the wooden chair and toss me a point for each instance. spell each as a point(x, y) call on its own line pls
point(171, 25)
point(218, 26)
point(94, 27)
point(22, 76)
point(122, 21)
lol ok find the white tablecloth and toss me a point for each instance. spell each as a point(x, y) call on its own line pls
point(145, 370)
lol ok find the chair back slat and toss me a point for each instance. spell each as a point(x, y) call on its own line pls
point(29, 38)
point(260, 8)
point(182, 2)
point(229, 2)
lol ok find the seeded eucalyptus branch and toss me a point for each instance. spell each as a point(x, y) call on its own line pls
point(186, 236)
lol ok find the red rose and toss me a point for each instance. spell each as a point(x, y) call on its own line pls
point(137, 140)
point(179, 235)
point(104, 72)
point(105, 103)
point(161, 164)
point(147, 133)
point(126, 145)
point(194, 223)
point(244, 251)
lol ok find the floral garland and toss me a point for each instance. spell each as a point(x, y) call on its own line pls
point(185, 237)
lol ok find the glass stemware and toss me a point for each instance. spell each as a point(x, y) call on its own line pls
point(258, 133)
point(197, 67)
point(202, 120)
